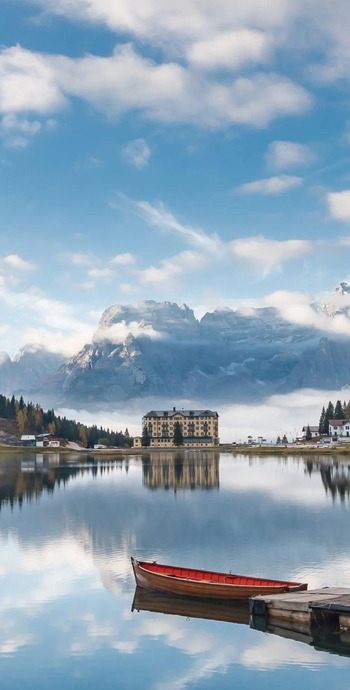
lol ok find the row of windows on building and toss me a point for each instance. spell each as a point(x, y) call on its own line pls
point(192, 426)
point(164, 440)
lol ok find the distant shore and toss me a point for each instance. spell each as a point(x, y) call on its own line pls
point(223, 448)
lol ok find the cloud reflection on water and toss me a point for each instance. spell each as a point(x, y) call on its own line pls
point(66, 571)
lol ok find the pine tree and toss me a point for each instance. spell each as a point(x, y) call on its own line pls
point(347, 411)
point(338, 410)
point(308, 436)
point(145, 440)
point(284, 439)
point(12, 408)
point(321, 422)
point(278, 441)
point(178, 436)
point(329, 415)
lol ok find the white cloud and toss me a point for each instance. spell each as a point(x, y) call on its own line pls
point(59, 329)
point(268, 254)
point(137, 153)
point(16, 263)
point(16, 132)
point(128, 288)
point(296, 307)
point(271, 185)
point(171, 269)
point(28, 82)
point(167, 92)
point(164, 21)
point(126, 259)
point(280, 414)
point(230, 49)
point(160, 218)
point(81, 259)
point(119, 331)
point(88, 285)
point(66, 342)
point(288, 154)
point(100, 273)
point(339, 205)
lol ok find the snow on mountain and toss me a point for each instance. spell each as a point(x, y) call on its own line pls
point(341, 289)
point(160, 349)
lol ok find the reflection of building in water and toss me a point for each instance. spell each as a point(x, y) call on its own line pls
point(335, 478)
point(179, 471)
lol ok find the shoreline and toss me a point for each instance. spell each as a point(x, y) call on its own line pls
point(223, 448)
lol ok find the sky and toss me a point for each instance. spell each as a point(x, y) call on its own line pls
point(194, 151)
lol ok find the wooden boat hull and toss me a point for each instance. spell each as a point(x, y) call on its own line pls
point(195, 583)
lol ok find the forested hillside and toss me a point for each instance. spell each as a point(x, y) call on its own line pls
point(32, 419)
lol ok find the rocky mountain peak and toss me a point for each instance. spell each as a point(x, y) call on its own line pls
point(342, 288)
point(162, 317)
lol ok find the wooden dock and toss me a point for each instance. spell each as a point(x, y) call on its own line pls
point(327, 608)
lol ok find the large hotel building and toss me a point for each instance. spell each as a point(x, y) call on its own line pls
point(200, 428)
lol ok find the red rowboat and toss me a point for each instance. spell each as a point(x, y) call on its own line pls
point(205, 583)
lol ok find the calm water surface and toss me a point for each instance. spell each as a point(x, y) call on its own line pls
point(68, 527)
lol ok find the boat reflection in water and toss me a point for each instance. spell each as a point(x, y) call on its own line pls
point(328, 640)
point(181, 470)
point(191, 607)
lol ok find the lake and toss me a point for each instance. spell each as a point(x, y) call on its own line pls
point(69, 524)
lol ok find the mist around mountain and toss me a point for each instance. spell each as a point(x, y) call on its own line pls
point(161, 350)
point(22, 374)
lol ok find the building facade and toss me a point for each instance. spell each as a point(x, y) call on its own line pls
point(200, 428)
point(339, 428)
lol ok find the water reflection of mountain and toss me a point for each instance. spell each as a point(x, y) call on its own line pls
point(181, 471)
point(335, 478)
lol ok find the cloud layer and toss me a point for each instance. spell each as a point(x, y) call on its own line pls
point(165, 92)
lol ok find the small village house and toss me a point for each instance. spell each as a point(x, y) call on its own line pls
point(28, 440)
point(47, 441)
point(339, 428)
point(313, 430)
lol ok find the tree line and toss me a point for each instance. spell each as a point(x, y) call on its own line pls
point(32, 419)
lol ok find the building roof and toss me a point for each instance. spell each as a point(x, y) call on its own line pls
point(312, 428)
point(27, 437)
point(184, 413)
point(339, 422)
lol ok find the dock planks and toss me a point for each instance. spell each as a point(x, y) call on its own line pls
point(315, 607)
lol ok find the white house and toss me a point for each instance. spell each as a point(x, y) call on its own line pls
point(28, 439)
point(47, 441)
point(314, 431)
point(339, 428)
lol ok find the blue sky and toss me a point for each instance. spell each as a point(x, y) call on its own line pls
point(192, 151)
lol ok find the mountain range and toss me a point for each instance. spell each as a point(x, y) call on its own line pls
point(161, 350)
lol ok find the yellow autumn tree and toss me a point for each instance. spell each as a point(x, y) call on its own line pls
point(51, 428)
point(82, 436)
point(22, 420)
